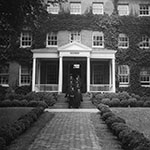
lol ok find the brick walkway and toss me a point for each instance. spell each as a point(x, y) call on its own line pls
point(70, 130)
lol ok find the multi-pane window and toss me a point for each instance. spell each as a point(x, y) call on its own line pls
point(25, 75)
point(144, 10)
point(98, 8)
point(75, 36)
point(52, 8)
point(123, 9)
point(26, 39)
point(4, 75)
point(145, 42)
point(145, 76)
point(123, 41)
point(75, 8)
point(51, 39)
point(123, 72)
point(98, 39)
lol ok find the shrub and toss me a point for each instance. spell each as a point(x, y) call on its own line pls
point(13, 96)
point(123, 95)
point(16, 103)
point(2, 144)
point(6, 103)
point(103, 108)
point(132, 102)
point(2, 93)
point(107, 114)
point(105, 101)
point(24, 103)
point(23, 90)
point(42, 104)
point(33, 103)
point(145, 98)
point(140, 103)
point(146, 104)
point(124, 103)
point(115, 102)
point(99, 96)
point(135, 96)
point(113, 119)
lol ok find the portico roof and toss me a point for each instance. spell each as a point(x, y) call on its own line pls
point(74, 46)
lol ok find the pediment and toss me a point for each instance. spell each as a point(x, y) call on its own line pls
point(74, 46)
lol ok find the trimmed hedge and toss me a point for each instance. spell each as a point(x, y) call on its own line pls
point(10, 132)
point(130, 139)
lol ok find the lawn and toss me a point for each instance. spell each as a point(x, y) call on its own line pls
point(11, 114)
point(136, 118)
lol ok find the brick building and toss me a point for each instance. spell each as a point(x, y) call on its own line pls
point(76, 52)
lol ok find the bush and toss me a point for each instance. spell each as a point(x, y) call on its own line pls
point(13, 96)
point(107, 114)
point(146, 104)
point(124, 103)
point(140, 103)
point(105, 101)
point(103, 108)
point(16, 103)
point(2, 144)
point(23, 90)
point(115, 102)
point(132, 102)
point(123, 95)
point(6, 103)
point(33, 103)
point(42, 104)
point(24, 103)
point(2, 93)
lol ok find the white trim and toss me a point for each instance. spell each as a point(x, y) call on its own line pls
point(51, 34)
point(21, 36)
point(122, 35)
point(100, 34)
point(101, 11)
point(123, 8)
point(75, 13)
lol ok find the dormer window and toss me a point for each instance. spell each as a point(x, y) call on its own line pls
point(26, 39)
point(97, 8)
point(75, 8)
point(53, 8)
point(123, 9)
point(144, 10)
point(75, 36)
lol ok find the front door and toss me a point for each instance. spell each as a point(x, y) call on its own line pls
point(75, 66)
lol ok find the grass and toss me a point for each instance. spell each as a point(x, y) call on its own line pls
point(11, 114)
point(25, 140)
point(136, 118)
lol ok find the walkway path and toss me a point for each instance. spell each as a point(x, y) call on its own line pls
point(70, 129)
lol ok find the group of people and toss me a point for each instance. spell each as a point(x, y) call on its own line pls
point(73, 94)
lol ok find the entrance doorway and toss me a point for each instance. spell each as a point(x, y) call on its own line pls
point(76, 67)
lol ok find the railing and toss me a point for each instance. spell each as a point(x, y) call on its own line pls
point(46, 87)
point(100, 87)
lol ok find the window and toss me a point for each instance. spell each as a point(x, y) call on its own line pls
point(26, 39)
point(98, 8)
point(123, 41)
point(4, 75)
point(123, 72)
point(25, 77)
point(144, 10)
point(145, 42)
point(123, 9)
point(51, 39)
point(52, 8)
point(75, 36)
point(75, 8)
point(98, 39)
point(145, 76)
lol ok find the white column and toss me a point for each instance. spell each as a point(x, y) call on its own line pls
point(88, 74)
point(113, 76)
point(33, 74)
point(60, 75)
point(110, 74)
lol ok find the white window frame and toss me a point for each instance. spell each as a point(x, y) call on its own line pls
point(53, 8)
point(52, 38)
point(97, 8)
point(27, 76)
point(145, 76)
point(124, 74)
point(123, 41)
point(123, 9)
point(141, 9)
point(95, 35)
point(75, 36)
point(145, 42)
point(75, 8)
point(28, 36)
point(4, 76)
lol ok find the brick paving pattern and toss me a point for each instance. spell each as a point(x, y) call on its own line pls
point(68, 131)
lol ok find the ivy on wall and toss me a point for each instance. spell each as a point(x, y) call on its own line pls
point(134, 27)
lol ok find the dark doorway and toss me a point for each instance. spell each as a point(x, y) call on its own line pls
point(75, 66)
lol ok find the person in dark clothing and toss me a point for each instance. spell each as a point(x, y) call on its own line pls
point(78, 99)
point(71, 97)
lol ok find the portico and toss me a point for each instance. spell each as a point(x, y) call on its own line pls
point(51, 68)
